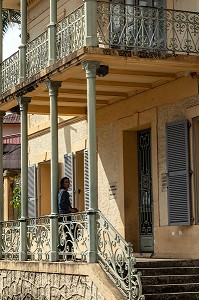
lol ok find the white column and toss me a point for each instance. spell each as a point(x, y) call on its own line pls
point(53, 87)
point(22, 47)
point(90, 67)
point(1, 179)
point(52, 53)
point(91, 23)
point(23, 103)
point(1, 45)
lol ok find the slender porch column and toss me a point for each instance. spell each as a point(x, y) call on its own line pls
point(1, 178)
point(52, 53)
point(91, 23)
point(53, 87)
point(23, 103)
point(22, 47)
point(90, 67)
point(1, 45)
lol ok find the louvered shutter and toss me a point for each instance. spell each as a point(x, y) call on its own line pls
point(68, 172)
point(178, 173)
point(32, 191)
point(86, 180)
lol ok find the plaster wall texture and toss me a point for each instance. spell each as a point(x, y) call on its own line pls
point(190, 5)
point(46, 280)
point(168, 236)
point(70, 138)
point(108, 174)
point(34, 120)
point(46, 286)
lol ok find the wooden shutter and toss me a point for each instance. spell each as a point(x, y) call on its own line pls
point(68, 172)
point(86, 180)
point(32, 191)
point(178, 173)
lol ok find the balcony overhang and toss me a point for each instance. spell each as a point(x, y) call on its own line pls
point(129, 74)
point(11, 4)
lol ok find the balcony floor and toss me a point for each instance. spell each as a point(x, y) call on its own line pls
point(130, 73)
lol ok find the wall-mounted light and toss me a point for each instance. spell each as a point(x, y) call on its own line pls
point(102, 70)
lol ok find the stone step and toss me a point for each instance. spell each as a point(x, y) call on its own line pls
point(160, 263)
point(169, 271)
point(168, 279)
point(170, 288)
point(173, 296)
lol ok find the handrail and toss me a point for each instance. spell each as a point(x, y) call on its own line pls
point(144, 28)
point(115, 256)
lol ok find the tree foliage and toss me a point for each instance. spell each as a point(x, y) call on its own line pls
point(9, 17)
point(16, 197)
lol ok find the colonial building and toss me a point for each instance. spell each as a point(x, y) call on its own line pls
point(108, 96)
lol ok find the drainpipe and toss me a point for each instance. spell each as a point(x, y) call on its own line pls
point(1, 45)
point(52, 53)
point(53, 87)
point(23, 103)
point(90, 67)
point(91, 23)
point(22, 47)
point(1, 179)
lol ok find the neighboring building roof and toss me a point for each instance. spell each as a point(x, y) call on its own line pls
point(14, 139)
point(12, 157)
point(11, 119)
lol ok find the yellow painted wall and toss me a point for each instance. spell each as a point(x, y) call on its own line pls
point(191, 5)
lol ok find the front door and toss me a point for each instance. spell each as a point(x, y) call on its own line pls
point(145, 191)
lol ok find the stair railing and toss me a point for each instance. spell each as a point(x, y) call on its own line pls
point(115, 256)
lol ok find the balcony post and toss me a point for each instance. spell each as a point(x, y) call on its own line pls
point(53, 87)
point(91, 23)
point(22, 47)
point(90, 67)
point(1, 179)
point(52, 53)
point(23, 103)
point(1, 45)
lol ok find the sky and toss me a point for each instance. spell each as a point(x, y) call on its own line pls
point(11, 41)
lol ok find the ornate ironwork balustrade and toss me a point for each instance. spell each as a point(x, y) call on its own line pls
point(147, 28)
point(38, 238)
point(10, 72)
point(115, 256)
point(37, 54)
point(73, 237)
point(70, 33)
point(10, 239)
point(120, 26)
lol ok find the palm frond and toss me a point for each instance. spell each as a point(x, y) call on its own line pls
point(9, 17)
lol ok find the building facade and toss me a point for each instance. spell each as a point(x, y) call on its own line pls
point(108, 94)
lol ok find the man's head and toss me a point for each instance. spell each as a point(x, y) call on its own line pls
point(65, 183)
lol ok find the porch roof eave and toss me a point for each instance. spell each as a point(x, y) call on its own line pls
point(129, 73)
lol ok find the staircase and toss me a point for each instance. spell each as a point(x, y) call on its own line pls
point(169, 279)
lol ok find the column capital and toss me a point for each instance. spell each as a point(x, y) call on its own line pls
point(53, 87)
point(2, 114)
point(90, 66)
point(23, 103)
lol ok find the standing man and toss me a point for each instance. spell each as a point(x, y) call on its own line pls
point(66, 229)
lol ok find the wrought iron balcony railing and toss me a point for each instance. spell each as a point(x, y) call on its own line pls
point(148, 28)
point(115, 255)
point(119, 26)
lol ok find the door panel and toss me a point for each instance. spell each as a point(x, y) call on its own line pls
point(145, 191)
